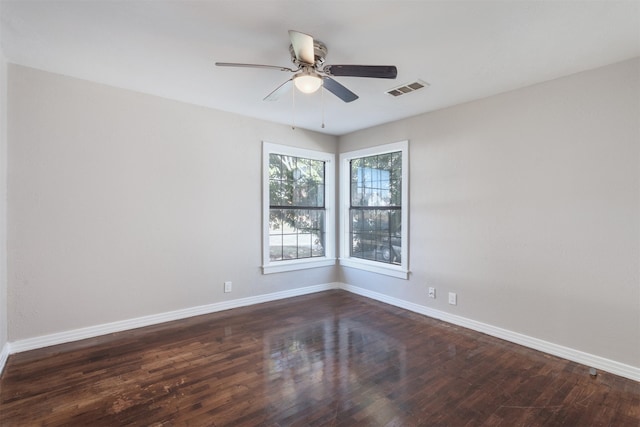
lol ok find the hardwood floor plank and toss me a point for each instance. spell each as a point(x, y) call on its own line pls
point(327, 359)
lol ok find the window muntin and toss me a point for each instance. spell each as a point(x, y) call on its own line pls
point(374, 209)
point(298, 230)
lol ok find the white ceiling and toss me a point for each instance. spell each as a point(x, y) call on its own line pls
point(464, 50)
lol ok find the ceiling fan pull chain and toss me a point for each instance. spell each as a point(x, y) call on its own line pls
point(293, 109)
point(322, 102)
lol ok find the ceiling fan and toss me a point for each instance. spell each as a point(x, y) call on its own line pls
point(311, 73)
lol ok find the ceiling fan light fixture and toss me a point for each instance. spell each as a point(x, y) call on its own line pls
point(307, 82)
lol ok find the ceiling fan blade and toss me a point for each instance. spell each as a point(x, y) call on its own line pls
point(338, 90)
point(302, 47)
point(375, 71)
point(275, 95)
point(235, 64)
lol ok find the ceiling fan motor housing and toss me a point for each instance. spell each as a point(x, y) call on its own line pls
point(319, 52)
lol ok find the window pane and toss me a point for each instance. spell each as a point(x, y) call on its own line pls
point(275, 166)
point(318, 234)
point(395, 192)
point(319, 195)
point(318, 169)
point(356, 248)
point(318, 244)
point(300, 194)
point(304, 245)
point(275, 221)
point(275, 247)
point(357, 220)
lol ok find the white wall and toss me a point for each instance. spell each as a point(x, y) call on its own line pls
point(123, 205)
point(527, 204)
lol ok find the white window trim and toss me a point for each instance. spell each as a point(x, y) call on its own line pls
point(329, 257)
point(399, 271)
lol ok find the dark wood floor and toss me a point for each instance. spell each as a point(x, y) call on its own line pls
point(331, 358)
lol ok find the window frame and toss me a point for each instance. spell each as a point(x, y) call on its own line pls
point(400, 271)
point(329, 258)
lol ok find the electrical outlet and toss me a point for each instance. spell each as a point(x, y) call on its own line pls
point(432, 292)
point(227, 287)
point(453, 298)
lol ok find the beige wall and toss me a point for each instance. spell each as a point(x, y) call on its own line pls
point(527, 204)
point(123, 205)
point(3, 201)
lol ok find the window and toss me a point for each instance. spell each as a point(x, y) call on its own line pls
point(298, 224)
point(374, 209)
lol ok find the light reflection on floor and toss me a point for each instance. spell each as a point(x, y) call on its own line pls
point(310, 365)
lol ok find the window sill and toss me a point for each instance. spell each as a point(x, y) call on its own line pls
point(376, 267)
point(298, 264)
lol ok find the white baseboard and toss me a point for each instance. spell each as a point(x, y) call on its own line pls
point(139, 322)
point(4, 355)
point(578, 356)
point(587, 359)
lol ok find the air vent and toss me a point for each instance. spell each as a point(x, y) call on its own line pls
point(407, 88)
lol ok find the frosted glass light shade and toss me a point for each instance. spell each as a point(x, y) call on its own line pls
point(307, 83)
